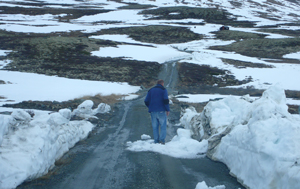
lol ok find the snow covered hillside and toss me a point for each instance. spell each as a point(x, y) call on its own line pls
point(54, 50)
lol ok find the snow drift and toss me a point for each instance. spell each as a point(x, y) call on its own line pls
point(259, 141)
point(180, 146)
point(202, 185)
point(31, 141)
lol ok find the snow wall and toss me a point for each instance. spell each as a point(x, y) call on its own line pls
point(31, 141)
point(259, 141)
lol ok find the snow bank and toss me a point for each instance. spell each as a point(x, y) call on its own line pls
point(85, 110)
point(181, 146)
point(30, 145)
point(4, 122)
point(189, 117)
point(262, 140)
point(202, 185)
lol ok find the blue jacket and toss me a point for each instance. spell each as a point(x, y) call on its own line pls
point(157, 99)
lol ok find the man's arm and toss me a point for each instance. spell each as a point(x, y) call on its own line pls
point(166, 101)
point(166, 98)
point(147, 100)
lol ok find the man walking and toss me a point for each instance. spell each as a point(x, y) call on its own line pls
point(157, 101)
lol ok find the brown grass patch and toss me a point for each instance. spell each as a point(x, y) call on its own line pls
point(48, 175)
point(62, 161)
point(59, 162)
point(110, 99)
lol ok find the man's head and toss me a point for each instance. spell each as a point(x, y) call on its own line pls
point(161, 82)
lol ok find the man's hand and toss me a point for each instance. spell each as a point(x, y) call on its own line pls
point(167, 113)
